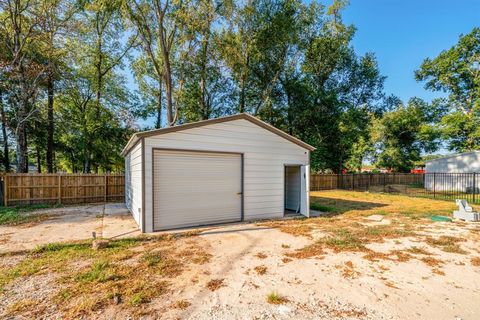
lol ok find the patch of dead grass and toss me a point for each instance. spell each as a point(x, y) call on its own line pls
point(295, 227)
point(432, 262)
point(475, 261)
point(261, 255)
point(130, 272)
point(447, 244)
point(348, 270)
point(215, 284)
point(181, 304)
point(438, 272)
point(21, 306)
point(261, 270)
point(417, 250)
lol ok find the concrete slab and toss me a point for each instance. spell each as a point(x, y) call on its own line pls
point(118, 222)
point(116, 209)
point(374, 217)
point(70, 224)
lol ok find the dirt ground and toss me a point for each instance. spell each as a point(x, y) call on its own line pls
point(110, 220)
point(372, 257)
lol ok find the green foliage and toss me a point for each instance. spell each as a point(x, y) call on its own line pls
point(289, 62)
point(456, 71)
point(402, 135)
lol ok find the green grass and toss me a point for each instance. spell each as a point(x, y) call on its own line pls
point(322, 208)
point(275, 298)
point(100, 271)
point(55, 257)
point(344, 240)
point(16, 215)
point(89, 279)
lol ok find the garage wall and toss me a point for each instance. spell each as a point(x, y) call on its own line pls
point(133, 182)
point(265, 155)
point(463, 163)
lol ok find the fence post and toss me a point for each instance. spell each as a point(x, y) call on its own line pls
point(5, 190)
point(474, 187)
point(106, 182)
point(434, 183)
point(59, 188)
point(353, 181)
point(384, 181)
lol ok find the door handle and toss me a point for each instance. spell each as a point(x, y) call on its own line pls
point(239, 193)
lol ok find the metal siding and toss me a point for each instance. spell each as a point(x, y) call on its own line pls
point(196, 188)
point(468, 162)
point(264, 156)
point(133, 182)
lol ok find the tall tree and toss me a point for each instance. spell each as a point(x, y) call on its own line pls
point(401, 136)
point(157, 23)
point(205, 90)
point(55, 16)
point(342, 91)
point(259, 38)
point(456, 71)
point(19, 28)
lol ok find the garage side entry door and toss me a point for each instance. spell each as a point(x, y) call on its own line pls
point(195, 188)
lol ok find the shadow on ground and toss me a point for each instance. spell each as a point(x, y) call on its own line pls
point(334, 206)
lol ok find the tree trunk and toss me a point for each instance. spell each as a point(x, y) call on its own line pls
point(21, 137)
point(86, 162)
point(158, 123)
point(98, 66)
point(86, 154)
point(50, 124)
point(6, 159)
point(241, 107)
point(39, 159)
point(168, 91)
point(206, 108)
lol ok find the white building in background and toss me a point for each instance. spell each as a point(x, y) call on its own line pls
point(454, 172)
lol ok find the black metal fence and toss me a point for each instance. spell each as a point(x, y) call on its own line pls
point(445, 186)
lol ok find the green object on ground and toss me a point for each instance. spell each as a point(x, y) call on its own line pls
point(441, 218)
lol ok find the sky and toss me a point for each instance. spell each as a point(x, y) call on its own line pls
point(402, 33)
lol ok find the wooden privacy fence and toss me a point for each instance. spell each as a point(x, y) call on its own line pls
point(21, 189)
point(362, 181)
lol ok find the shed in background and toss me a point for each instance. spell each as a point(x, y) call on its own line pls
point(455, 172)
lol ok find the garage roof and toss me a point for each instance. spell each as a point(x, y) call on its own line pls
point(137, 136)
point(452, 156)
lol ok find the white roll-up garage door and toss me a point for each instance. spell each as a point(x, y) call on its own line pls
point(195, 188)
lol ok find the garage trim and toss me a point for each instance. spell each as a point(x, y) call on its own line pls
point(242, 214)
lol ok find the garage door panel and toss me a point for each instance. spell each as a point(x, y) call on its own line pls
point(195, 188)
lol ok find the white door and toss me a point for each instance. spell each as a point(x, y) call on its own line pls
point(305, 191)
point(196, 188)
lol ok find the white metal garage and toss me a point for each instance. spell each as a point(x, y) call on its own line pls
point(228, 169)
